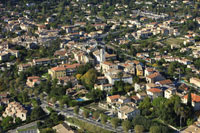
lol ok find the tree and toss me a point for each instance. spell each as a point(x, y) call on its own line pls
point(126, 125)
point(18, 121)
point(95, 115)
point(76, 110)
point(7, 122)
point(103, 119)
point(139, 129)
point(34, 103)
point(89, 78)
point(145, 106)
point(37, 113)
point(115, 122)
point(78, 76)
point(189, 100)
point(86, 113)
point(120, 75)
point(155, 129)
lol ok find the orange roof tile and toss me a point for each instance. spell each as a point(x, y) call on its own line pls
point(164, 82)
point(33, 77)
point(195, 97)
point(107, 63)
point(58, 68)
point(135, 97)
point(153, 75)
point(155, 90)
point(68, 66)
point(114, 97)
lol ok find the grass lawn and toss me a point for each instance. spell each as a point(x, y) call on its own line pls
point(95, 106)
point(87, 126)
point(26, 129)
point(174, 41)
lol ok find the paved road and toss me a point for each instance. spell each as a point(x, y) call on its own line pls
point(69, 113)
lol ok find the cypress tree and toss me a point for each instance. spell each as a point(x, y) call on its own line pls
point(189, 100)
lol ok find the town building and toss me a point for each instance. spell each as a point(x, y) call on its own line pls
point(195, 101)
point(14, 110)
point(32, 81)
point(127, 112)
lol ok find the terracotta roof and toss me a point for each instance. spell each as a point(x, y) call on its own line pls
point(135, 97)
point(42, 59)
point(107, 63)
point(195, 97)
point(60, 52)
point(153, 75)
point(58, 68)
point(114, 97)
point(68, 66)
point(107, 85)
point(164, 82)
point(155, 90)
point(33, 77)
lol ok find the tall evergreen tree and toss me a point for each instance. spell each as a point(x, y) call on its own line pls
point(189, 100)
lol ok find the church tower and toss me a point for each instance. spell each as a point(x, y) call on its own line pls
point(102, 55)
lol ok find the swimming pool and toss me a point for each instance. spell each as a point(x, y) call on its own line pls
point(80, 99)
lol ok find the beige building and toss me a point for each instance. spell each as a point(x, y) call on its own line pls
point(152, 78)
point(113, 98)
point(154, 92)
point(103, 87)
point(14, 110)
point(195, 81)
point(169, 93)
point(63, 128)
point(107, 66)
point(127, 112)
point(32, 81)
point(23, 67)
point(57, 72)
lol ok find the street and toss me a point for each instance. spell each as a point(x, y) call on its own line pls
point(69, 113)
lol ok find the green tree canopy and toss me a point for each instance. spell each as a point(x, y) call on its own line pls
point(89, 78)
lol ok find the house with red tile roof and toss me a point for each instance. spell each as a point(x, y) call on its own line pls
point(148, 71)
point(164, 82)
point(113, 98)
point(63, 70)
point(195, 101)
point(32, 81)
point(56, 72)
point(152, 78)
point(154, 92)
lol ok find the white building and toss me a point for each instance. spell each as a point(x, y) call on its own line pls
point(14, 110)
point(104, 87)
point(154, 92)
point(169, 93)
point(126, 112)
